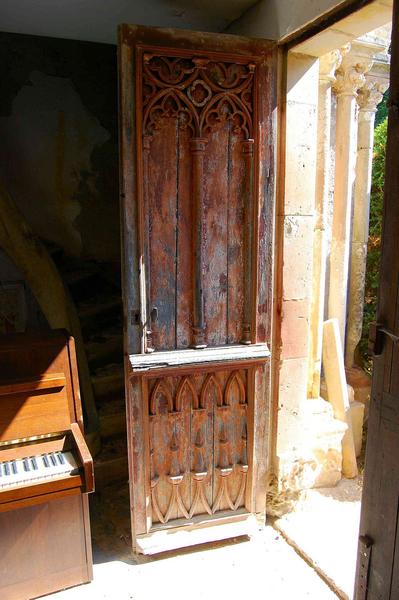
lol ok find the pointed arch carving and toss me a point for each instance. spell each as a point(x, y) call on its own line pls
point(185, 386)
point(160, 387)
point(211, 381)
point(235, 379)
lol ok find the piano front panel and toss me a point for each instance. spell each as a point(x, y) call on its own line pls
point(47, 548)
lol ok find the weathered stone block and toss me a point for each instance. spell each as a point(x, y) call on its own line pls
point(315, 461)
point(361, 384)
point(295, 328)
point(357, 416)
point(297, 257)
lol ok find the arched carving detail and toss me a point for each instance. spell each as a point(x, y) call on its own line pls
point(186, 384)
point(235, 379)
point(211, 381)
point(160, 387)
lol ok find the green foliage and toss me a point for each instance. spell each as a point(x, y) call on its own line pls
point(374, 241)
point(382, 110)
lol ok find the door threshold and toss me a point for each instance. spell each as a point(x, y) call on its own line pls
point(198, 531)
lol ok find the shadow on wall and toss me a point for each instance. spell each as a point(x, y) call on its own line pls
point(59, 154)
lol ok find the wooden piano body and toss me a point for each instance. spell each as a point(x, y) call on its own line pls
point(45, 541)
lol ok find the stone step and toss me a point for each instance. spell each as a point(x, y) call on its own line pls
point(108, 379)
point(94, 308)
point(111, 464)
point(112, 424)
point(112, 414)
point(104, 349)
point(110, 471)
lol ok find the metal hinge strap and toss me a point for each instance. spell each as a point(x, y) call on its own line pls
point(376, 338)
point(363, 567)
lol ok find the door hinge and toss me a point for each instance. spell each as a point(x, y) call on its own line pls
point(377, 336)
point(363, 567)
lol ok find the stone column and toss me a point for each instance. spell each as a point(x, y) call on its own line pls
point(349, 78)
point(327, 66)
point(369, 96)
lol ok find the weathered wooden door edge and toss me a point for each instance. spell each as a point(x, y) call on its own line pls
point(132, 246)
point(377, 571)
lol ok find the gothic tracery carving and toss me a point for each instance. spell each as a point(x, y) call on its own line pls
point(197, 91)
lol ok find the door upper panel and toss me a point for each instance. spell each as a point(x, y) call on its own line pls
point(203, 161)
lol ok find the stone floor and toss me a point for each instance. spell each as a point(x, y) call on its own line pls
point(323, 528)
point(265, 567)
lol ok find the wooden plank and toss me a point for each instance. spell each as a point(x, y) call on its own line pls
point(189, 356)
point(215, 235)
point(136, 444)
point(133, 339)
point(235, 246)
point(184, 287)
point(265, 115)
point(162, 193)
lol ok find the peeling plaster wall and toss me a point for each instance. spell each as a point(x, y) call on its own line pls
point(59, 147)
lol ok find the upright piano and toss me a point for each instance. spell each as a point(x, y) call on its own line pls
point(46, 470)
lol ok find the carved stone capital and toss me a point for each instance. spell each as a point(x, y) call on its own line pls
point(329, 63)
point(370, 95)
point(356, 61)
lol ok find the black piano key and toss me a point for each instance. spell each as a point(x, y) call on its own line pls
point(25, 462)
point(53, 460)
point(34, 463)
point(61, 458)
point(46, 460)
point(7, 468)
point(14, 467)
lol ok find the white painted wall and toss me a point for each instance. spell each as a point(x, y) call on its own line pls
point(97, 20)
point(275, 19)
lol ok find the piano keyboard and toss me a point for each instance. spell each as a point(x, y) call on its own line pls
point(34, 468)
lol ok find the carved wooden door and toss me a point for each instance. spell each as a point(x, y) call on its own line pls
point(197, 142)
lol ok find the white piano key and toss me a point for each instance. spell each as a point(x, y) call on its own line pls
point(20, 476)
